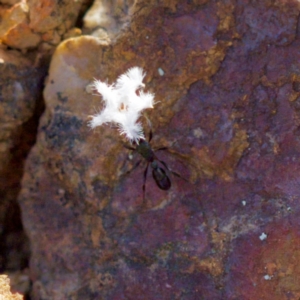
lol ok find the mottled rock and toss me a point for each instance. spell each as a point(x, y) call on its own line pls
point(47, 15)
point(21, 84)
point(28, 24)
point(226, 78)
point(272, 264)
point(107, 15)
point(15, 31)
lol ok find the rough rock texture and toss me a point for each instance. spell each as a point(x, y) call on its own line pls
point(226, 75)
point(36, 26)
point(107, 16)
point(33, 23)
point(24, 25)
point(21, 82)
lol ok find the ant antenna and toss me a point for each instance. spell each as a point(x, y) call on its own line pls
point(148, 121)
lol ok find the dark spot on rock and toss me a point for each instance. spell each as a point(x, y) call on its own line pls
point(296, 86)
point(100, 188)
point(63, 130)
point(61, 98)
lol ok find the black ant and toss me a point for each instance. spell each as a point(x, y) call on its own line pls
point(159, 171)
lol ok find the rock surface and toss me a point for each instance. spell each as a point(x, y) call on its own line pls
point(21, 82)
point(23, 28)
point(226, 76)
point(5, 292)
point(108, 16)
point(33, 23)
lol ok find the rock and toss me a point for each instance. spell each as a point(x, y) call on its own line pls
point(15, 31)
point(5, 289)
point(21, 87)
point(47, 15)
point(9, 2)
point(19, 281)
point(26, 25)
point(107, 15)
point(22, 78)
point(226, 80)
point(15, 38)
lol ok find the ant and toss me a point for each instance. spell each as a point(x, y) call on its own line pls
point(159, 171)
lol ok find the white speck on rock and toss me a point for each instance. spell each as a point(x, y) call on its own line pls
point(263, 236)
point(197, 132)
point(268, 277)
point(161, 72)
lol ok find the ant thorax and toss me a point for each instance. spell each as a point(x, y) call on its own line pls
point(145, 150)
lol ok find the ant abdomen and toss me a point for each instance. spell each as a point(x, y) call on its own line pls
point(161, 178)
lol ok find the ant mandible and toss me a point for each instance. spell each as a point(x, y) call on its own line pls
point(159, 172)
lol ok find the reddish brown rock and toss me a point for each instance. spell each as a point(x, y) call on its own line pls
point(15, 31)
point(266, 269)
point(29, 24)
point(22, 77)
point(226, 80)
point(21, 84)
point(47, 15)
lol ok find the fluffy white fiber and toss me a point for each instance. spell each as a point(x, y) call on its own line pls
point(123, 105)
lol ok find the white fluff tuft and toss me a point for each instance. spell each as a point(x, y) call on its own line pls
point(123, 105)
point(132, 131)
point(131, 80)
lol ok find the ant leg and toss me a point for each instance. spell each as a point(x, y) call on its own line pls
point(164, 164)
point(174, 173)
point(128, 147)
point(133, 168)
point(161, 148)
point(144, 183)
point(136, 164)
point(165, 148)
